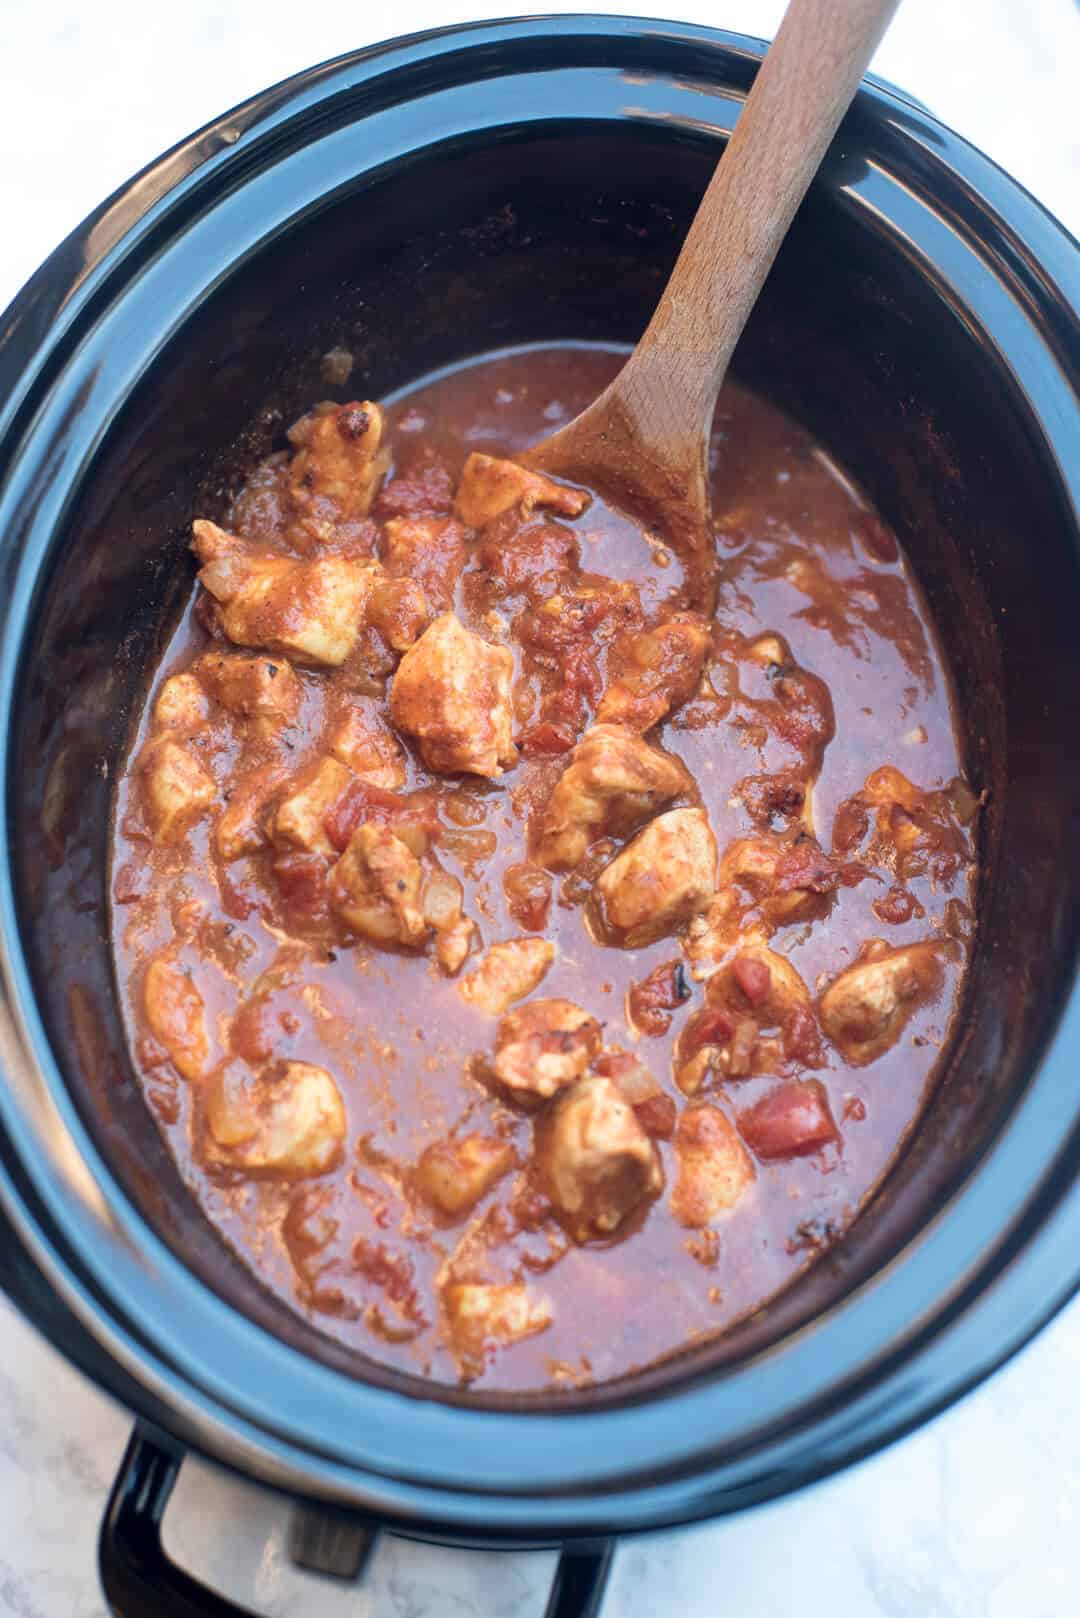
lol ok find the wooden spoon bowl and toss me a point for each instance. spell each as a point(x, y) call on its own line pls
point(643, 445)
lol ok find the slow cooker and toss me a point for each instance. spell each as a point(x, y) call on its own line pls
point(422, 201)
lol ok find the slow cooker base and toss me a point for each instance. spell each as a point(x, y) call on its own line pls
point(138, 1575)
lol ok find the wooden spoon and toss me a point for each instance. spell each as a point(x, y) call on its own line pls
point(644, 444)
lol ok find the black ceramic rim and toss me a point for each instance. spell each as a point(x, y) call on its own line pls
point(979, 1280)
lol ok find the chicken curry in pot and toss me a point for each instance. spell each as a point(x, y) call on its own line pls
point(529, 975)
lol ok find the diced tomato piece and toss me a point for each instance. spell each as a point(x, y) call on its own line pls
point(636, 1084)
point(611, 1064)
point(802, 1041)
point(425, 491)
point(753, 977)
point(657, 1116)
point(772, 798)
point(654, 999)
point(580, 687)
point(524, 557)
point(361, 801)
point(341, 821)
point(804, 865)
point(710, 1027)
point(358, 543)
point(896, 906)
point(564, 708)
point(791, 1121)
point(546, 740)
point(581, 673)
point(580, 616)
point(302, 881)
point(654, 1110)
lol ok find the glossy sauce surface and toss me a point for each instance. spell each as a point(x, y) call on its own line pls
point(354, 1249)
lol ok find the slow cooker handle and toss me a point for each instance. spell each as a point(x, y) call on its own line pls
point(140, 1580)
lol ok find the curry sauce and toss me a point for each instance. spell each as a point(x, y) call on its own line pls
point(529, 975)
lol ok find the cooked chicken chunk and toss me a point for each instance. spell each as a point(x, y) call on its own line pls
point(453, 943)
point(240, 828)
point(430, 550)
point(478, 1316)
point(759, 981)
point(375, 888)
point(261, 689)
point(176, 1015)
point(765, 882)
point(865, 1010)
point(365, 743)
point(309, 610)
point(660, 880)
point(452, 692)
point(453, 1175)
point(717, 929)
point(613, 782)
point(543, 1047)
point(288, 1120)
point(178, 790)
point(594, 1159)
point(312, 610)
point(507, 973)
point(758, 1016)
point(489, 487)
point(442, 902)
point(181, 704)
point(397, 608)
point(297, 821)
point(339, 456)
point(789, 881)
point(715, 1169)
point(657, 671)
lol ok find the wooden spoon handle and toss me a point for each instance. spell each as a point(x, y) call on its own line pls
point(801, 92)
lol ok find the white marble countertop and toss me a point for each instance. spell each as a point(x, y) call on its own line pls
point(974, 1517)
